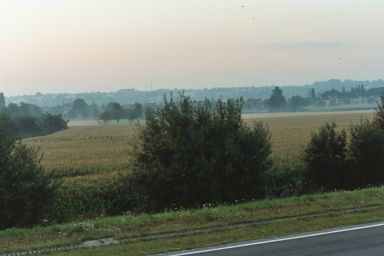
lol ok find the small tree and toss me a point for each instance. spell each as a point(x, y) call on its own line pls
point(113, 111)
point(325, 158)
point(297, 103)
point(25, 190)
point(80, 109)
point(192, 153)
point(276, 102)
point(52, 123)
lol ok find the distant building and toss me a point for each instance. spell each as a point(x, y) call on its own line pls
point(334, 101)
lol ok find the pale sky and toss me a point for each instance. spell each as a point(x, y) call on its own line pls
point(105, 45)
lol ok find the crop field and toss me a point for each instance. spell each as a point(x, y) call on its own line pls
point(105, 148)
point(102, 146)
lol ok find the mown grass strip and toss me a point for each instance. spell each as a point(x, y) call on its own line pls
point(263, 231)
point(203, 231)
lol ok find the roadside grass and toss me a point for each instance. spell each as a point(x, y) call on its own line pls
point(295, 214)
point(236, 235)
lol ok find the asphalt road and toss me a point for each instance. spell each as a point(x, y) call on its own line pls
point(362, 240)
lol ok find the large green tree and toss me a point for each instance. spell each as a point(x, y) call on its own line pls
point(189, 154)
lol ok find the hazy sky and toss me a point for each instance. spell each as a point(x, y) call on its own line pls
point(104, 45)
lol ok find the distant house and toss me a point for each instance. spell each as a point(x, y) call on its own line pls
point(359, 101)
point(334, 101)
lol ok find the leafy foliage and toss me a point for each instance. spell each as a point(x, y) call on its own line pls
point(297, 103)
point(325, 158)
point(332, 164)
point(366, 150)
point(276, 101)
point(192, 153)
point(25, 191)
point(81, 110)
point(49, 123)
point(113, 111)
point(29, 126)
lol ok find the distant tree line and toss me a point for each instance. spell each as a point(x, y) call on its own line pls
point(78, 110)
point(114, 111)
point(26, 120)
point(355, 92)
point(278, 103)
point(130, 96)
point(81, 110)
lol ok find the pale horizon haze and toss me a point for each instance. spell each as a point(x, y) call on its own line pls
point(105, 45)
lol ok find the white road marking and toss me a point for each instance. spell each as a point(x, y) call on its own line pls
point(280, 239)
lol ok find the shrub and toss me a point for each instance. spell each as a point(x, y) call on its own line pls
point(366, 152)
point(286, 179)
point(25, 191)
point(51, 123)
point(326, 158)
point(192, 153)
point(92, 196)
point(366, 149)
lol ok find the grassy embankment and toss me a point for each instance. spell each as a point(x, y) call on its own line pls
point(204, 227)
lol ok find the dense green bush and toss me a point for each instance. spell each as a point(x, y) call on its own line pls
point(326, 158)
point(334, 164)
point(25, 191)
point(366, 150)
point(29, 126)
point(189, 154)
point(49, 123)
point(92, 196)
point(286, 179)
